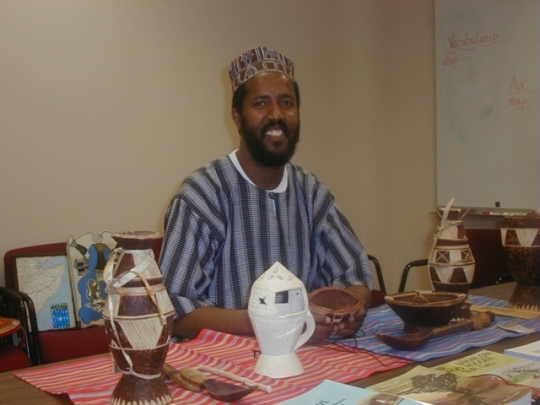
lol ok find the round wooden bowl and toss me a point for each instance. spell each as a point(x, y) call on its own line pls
point(425, 308)
point(334, 302)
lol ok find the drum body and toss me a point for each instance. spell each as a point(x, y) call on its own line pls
point(521, 246)
point(138, 320)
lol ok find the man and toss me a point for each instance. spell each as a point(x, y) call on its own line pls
point(235, 217)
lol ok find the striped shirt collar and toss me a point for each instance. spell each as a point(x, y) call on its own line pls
point(279, 189)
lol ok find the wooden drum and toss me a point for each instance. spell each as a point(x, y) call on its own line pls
point(521, 246)
point(138, 319)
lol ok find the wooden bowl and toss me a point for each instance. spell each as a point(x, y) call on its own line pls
point(334, 302)
point(429, 309)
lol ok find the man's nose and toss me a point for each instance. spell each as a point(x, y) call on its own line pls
point(276, 112)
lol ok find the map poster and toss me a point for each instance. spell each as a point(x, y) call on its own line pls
point(46, 280)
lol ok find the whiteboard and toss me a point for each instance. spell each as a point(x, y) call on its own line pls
point(488, 102)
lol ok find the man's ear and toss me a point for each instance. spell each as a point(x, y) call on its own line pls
point(236, 118)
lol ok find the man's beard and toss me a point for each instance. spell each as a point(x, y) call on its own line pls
point(255, 144)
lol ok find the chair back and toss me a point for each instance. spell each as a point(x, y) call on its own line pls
point(377, 295)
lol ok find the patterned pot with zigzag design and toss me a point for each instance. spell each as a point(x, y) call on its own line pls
point(451, 262)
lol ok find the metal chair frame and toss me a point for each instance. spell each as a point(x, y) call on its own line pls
point(405, 274)
point(18, 305)
point(378, 270)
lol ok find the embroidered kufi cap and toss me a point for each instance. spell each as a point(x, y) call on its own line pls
point(258, 60)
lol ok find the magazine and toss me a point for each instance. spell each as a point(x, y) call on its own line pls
point(439, 387)
point(498, 366)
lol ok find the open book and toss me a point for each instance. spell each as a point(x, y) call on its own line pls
point(498, 367)
point(333, 393)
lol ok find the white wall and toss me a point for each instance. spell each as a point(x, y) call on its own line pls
point(107, 106)
point(381, 83)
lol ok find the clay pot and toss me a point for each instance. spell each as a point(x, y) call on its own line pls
point(138, 319)
point(521, 247)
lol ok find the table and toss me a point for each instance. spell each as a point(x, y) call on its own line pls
point(15, 391)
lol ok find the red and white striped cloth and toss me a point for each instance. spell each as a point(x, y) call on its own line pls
point(91, 381)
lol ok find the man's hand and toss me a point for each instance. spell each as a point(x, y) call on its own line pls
point(347, 327)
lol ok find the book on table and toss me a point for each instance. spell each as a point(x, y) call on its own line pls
point(428, 385)
point(498, 367)
point(529, 351)
point(334, 393)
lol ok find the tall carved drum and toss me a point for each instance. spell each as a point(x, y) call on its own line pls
point(138, 319)
point(451, 262)
point(521, 247)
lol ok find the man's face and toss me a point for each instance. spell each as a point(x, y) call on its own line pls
point(269, 122)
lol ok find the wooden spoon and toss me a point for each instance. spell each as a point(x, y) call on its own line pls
point(194, 380)
point(420, 337)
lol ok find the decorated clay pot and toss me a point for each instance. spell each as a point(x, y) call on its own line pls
point(138, 319)
point(521, 247)
point(451, 262)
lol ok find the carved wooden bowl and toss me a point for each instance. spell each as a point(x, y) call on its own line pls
point(334, 302)
point(429, 309)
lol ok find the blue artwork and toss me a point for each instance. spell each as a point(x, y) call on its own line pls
point(92, 287)
point(88, 256)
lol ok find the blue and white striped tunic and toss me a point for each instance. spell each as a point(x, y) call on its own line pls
point(222, 232)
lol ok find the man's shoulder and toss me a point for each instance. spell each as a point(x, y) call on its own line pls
point(306, 178)
point(216, 171)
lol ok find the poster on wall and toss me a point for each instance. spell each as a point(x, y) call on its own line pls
point(488, 102)
point(88, 254)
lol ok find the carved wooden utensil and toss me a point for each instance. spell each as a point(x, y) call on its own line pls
point(194, 380)
point(421, 336)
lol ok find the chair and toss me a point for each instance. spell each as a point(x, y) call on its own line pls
point(57, 344)
point(377, 296)
point(23, 349)
point(479, 279)
point(405, 273)
point(378, 270)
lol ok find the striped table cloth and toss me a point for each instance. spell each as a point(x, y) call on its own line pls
point(383, 320)
point(91, 381)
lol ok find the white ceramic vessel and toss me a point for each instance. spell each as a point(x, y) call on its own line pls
point(279, 310)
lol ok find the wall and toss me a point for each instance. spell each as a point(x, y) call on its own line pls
point(107, 106)
point(383, 128)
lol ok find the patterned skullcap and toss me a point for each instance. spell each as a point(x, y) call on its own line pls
point(258, 60)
